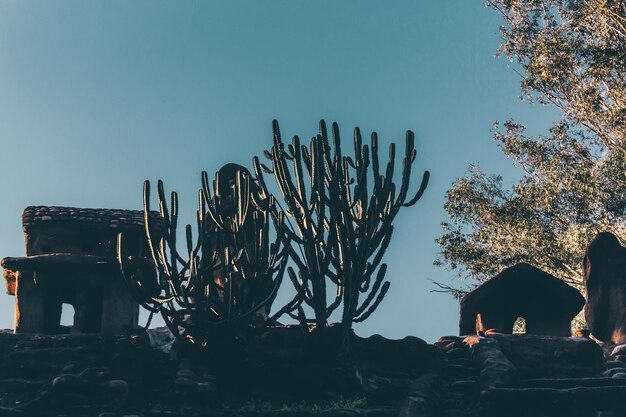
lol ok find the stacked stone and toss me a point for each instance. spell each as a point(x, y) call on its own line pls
point(460, 375)
point(43, 374)
point(616, 365)
point(190, 378)
point(85, 375)
point(549, 376)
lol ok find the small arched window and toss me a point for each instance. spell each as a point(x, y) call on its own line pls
point(67, 315)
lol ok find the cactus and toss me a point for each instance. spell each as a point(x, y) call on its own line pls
point(228, 276)
point(342, 224)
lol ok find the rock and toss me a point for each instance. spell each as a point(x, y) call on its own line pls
point(410, 356)
point(186, 373)
point(161, 338)
point(95, 374)
point(550, 402)
point(619, 350)
point(184, 382)
point(614, 364)
point(457, 353)
point(619, 375)
point(547, 304)
point(566, 383)
point(379, 411)
point(613, 371)
point(116, 386)
point(604, 271)
point(342, 413)
point(445, 340)
point(161, 410)
point(107, 414)
point(209, 378)
point(65, 382)
point(31, 361)
point(423, 398)
point(185, 363)
point(464, 362)
point(205, 386)
point(552, 357)
point(382, 388)
point(12, 412)
point(447, 346)
point(495, 369)
point(70, 367)
point(458, 370)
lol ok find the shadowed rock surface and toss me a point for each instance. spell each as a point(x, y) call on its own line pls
point(281, 373)
point(604, 269)
point(528, 375)
point(276, 374)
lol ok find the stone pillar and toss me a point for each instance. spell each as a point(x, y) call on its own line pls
point(119, 310)
point(88, 308)
point(29, 304)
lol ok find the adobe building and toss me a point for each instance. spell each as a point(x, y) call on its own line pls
point(71, 258)
point(546, 303)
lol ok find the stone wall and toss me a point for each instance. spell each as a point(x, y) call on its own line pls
point(283, 373)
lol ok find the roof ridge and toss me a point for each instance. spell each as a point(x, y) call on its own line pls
point(36, 216)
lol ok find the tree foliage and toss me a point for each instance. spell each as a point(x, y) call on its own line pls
point(571, 54)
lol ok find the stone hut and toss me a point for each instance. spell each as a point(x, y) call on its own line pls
point(546, 303)
point(71, 259)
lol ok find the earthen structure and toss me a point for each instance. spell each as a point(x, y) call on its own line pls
point(71, 259)
point(546, 303)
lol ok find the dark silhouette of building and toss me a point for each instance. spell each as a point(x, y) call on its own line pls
point(71, 259)
point(546, 303)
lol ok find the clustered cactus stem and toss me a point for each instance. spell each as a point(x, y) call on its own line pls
point(334, 230)
point(226, 278)
point(343, 225)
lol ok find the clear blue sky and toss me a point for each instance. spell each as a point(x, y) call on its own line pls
point(96, 96)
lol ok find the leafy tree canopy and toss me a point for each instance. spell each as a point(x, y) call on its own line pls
point(571, 54)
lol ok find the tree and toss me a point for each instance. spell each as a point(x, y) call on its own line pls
point(571, 54)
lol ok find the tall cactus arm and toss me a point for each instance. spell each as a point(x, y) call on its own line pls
point(380, 276)
point(407, 163)
point(298, 171)
point(138, 292)
point(210, 202)
point(336, 303)
point(147, 221)
point(420, 191)
point(374, 306)
point(375, 164)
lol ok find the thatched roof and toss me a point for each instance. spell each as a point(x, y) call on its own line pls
point(38, 217)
